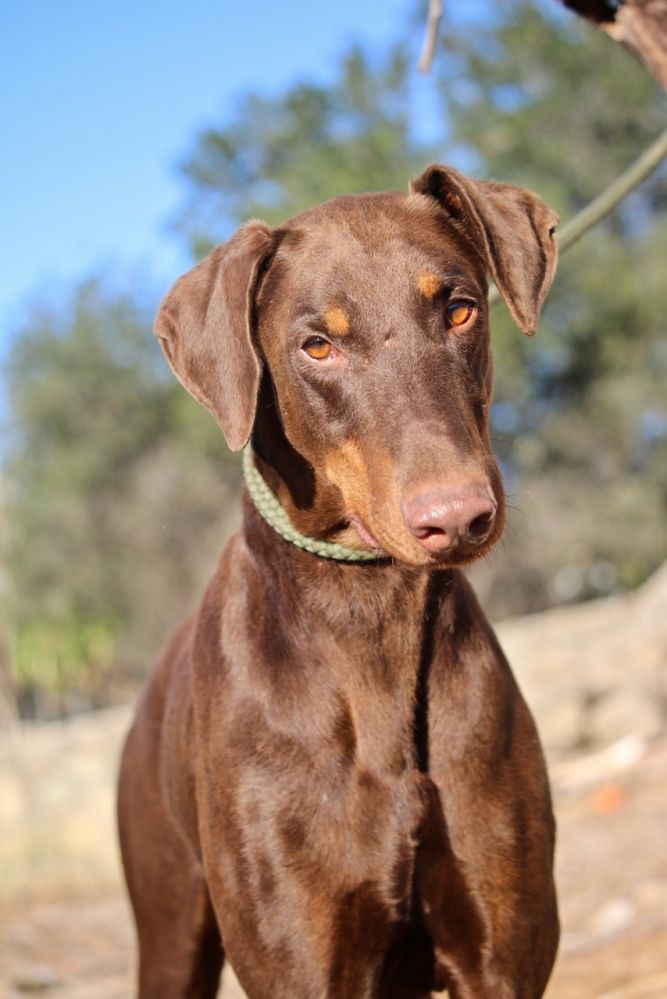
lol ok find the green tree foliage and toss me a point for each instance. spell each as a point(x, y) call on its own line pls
point(118, 484)
point(537, 96)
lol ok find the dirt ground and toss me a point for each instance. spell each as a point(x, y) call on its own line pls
point(612, 873)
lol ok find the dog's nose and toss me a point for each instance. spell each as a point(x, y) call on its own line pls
point(441, 520)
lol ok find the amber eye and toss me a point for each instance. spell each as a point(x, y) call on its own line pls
point(318, 348)
point(459, 312)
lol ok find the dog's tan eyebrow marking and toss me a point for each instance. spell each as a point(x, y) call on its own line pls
point(337, 321)
point(429, 284)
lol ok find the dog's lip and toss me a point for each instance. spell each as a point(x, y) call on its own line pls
point(368, 539)
point(454, 558)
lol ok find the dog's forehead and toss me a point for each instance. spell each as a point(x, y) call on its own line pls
point(364, 246)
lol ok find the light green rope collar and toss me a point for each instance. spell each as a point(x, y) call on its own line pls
point(273, 513)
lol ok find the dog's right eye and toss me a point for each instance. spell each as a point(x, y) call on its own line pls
point(318, 348)
point(459, 312)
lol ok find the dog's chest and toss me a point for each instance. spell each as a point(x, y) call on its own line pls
point(327, 831)
point(311, 767)
point(321, 794)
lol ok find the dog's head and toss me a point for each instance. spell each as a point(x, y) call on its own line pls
point(368, 315)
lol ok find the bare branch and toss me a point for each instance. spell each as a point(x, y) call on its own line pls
point(640, 25)
point(431, 37)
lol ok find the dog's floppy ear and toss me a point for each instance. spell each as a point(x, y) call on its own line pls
point(205, 327)
point(513, 228)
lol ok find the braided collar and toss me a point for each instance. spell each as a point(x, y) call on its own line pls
point(274, 514)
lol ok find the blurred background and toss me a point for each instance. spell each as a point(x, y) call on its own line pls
point(136, 136)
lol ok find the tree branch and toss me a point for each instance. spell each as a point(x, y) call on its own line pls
point(639, 25)
point(431, 37)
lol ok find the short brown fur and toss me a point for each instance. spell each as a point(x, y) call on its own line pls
point(332, 778)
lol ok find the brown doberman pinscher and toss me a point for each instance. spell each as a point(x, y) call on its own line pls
point(332, 778)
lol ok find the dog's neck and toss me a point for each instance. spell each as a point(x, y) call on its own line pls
point(276, 517)
point(347, 628)
point(371, 623)
point(335, 594)
point(314, 507)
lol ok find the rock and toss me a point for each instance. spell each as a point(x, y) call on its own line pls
point(595, 672)
point(625, 709)
point(36, 978)
point(615, 915)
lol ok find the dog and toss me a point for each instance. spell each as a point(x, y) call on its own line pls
point(332, 778)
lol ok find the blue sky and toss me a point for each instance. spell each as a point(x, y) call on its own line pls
point(99, 102)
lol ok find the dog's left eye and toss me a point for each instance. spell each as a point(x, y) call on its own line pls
point(318, 348)
point(459, 312)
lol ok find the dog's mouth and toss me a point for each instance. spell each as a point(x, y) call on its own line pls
point(368, 539)
point(456, 556)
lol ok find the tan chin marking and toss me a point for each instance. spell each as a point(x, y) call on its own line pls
point(410, 553)
point(337, 321)
point(347, 469)
point(429, 284)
